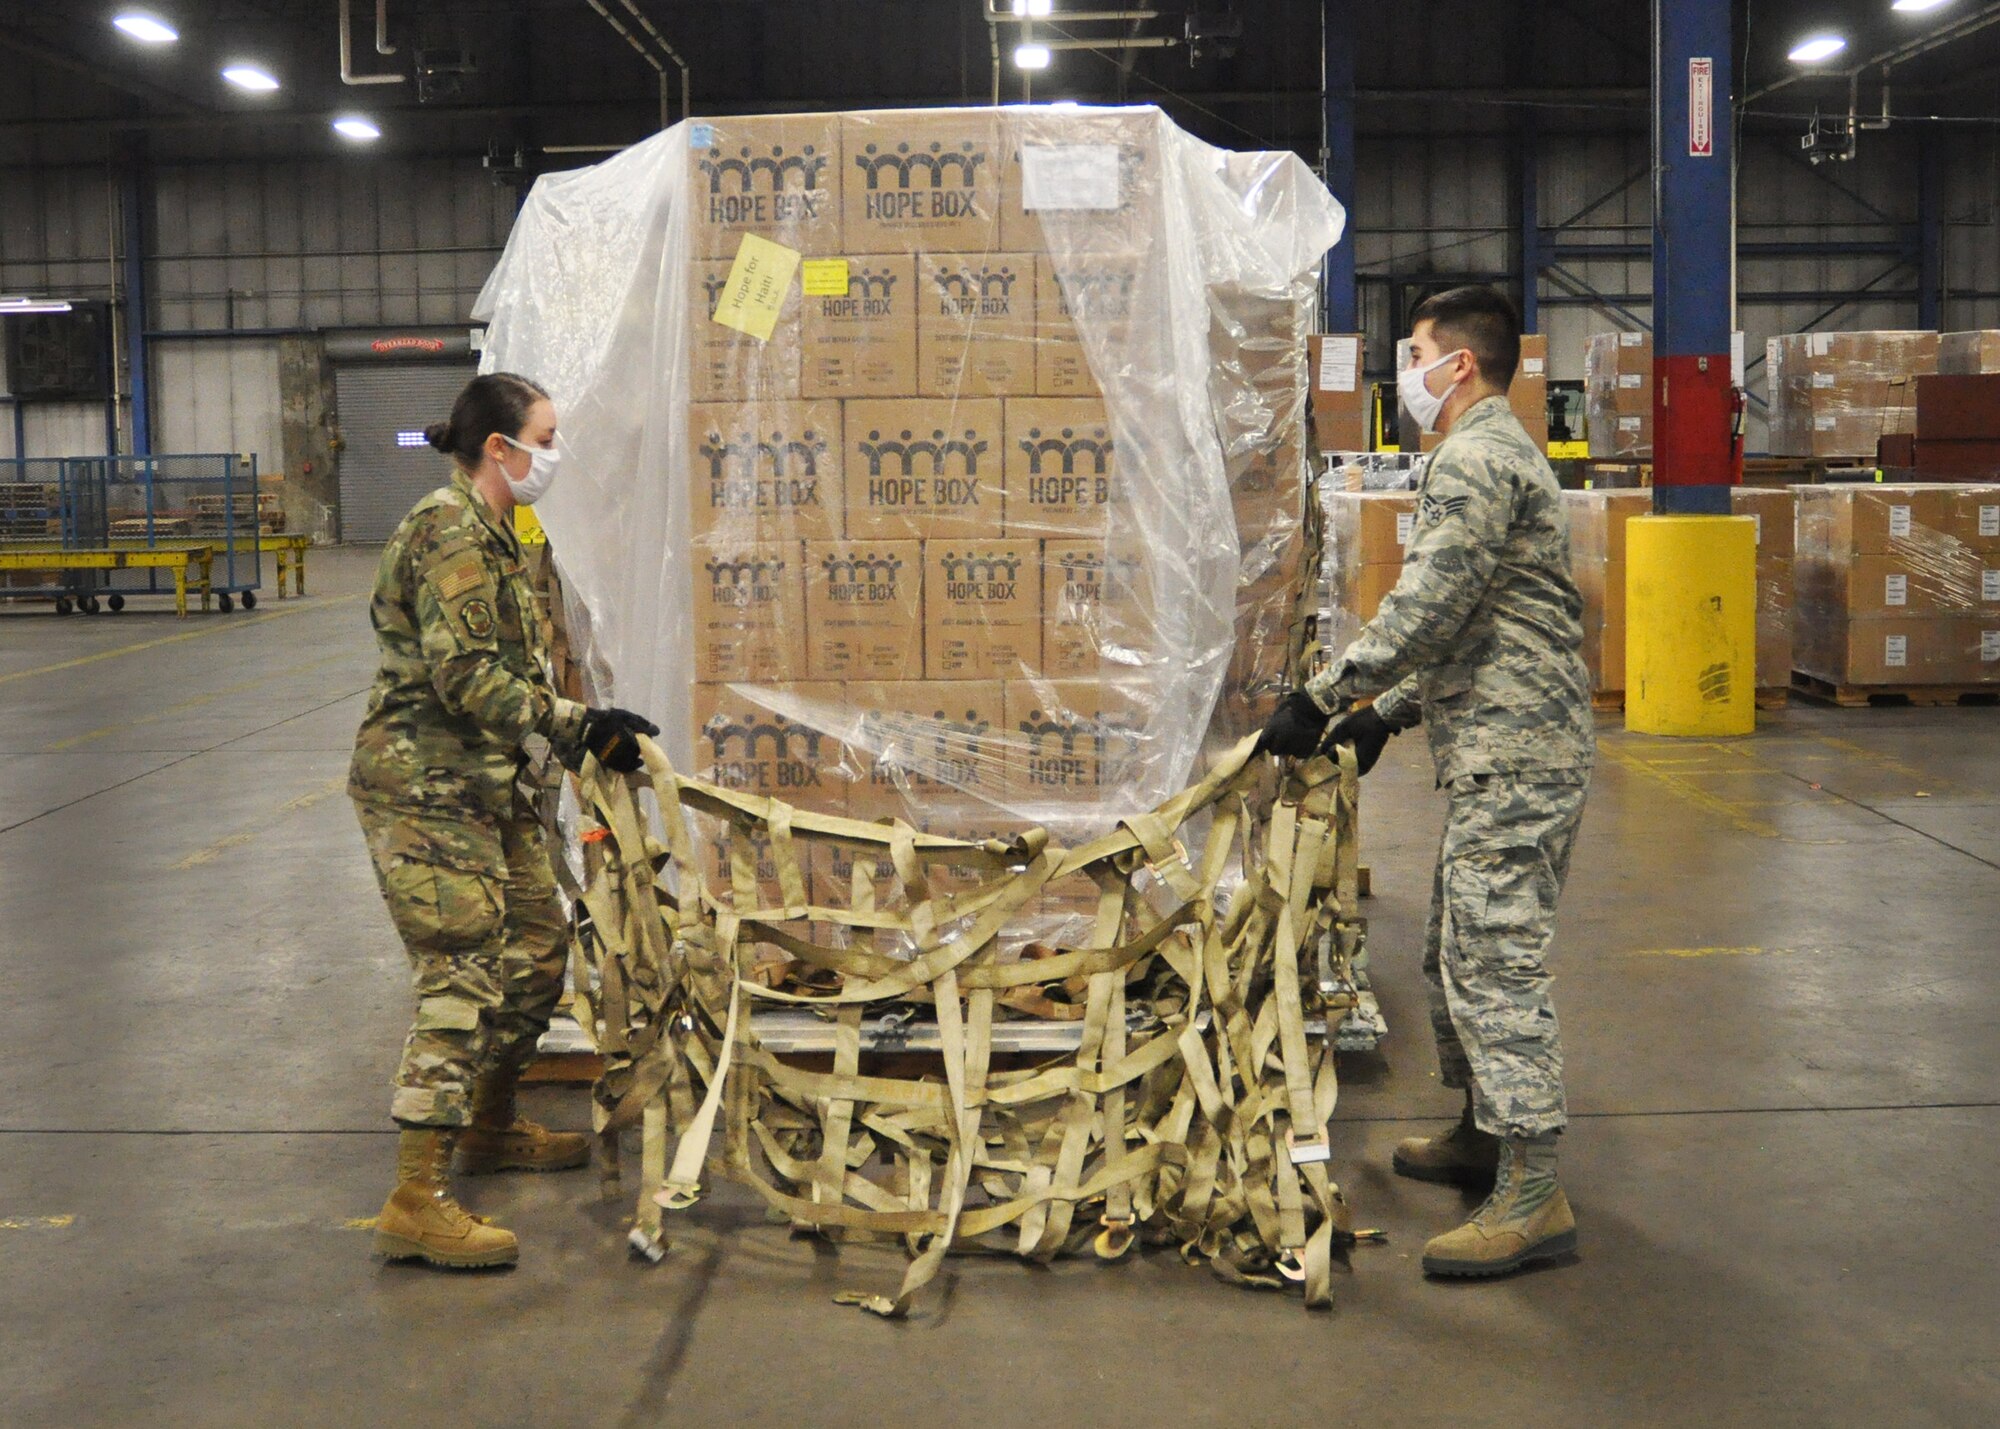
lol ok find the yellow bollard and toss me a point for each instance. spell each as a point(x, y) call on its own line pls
point(1691, 625)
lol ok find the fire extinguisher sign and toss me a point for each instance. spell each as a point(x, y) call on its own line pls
point(1701, 108)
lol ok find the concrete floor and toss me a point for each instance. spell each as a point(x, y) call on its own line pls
point(1778, 978)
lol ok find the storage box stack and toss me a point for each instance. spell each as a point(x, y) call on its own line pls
point(1366, 533)
point(1597, 560)
point(1958, 425)
point(1340, 395)
point(1899, 585)
point(903, 487)
point(1834, 395)
point(1618, 394)
point(1775, 510)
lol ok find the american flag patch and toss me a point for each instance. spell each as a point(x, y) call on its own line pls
point(458, 578)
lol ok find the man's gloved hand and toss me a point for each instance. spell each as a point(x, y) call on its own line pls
point(1294, 730)
point(613, 736)
point(1367, 731)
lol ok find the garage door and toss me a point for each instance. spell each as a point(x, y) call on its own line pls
point(385, 463)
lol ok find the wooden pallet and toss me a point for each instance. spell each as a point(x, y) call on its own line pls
point(1919, 696)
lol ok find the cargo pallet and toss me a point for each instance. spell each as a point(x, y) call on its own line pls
point(1918, 696)
point(1769, 697)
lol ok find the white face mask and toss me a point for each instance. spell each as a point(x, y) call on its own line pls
point(1417, 396)
point(542, 464)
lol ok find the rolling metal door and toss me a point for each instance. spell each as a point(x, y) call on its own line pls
point(385, 463)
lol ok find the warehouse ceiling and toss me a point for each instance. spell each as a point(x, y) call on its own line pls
point(539, 75)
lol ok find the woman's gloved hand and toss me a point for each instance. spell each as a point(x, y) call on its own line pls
point(613, 736)
point(1367, 731)
point(1293, 732)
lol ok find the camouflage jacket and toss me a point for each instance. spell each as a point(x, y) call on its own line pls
point(1480, 637)
point(464, 677)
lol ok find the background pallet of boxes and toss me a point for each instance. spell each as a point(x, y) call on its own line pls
point(939, 464)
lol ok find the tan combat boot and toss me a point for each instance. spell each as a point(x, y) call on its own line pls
point(1462, 1156)
point(500, 1140)
point(1527, 1218)
point(421, 1221)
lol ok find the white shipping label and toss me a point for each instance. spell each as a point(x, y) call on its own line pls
point(1406, 525)
point(1631, 379)
point(1824, 422)
point(1989, 585)
point(1631, 339)
point(1757, 528)
point(1820, 343)
point(1339, 363)
point(1629, 424)
point(1989, 520)
point(1069, 176)
point(1534, 366)
point(1895, 590)
point(1896, 651)
point(1989, 646)
point(1822, 379)
point(1899, 522)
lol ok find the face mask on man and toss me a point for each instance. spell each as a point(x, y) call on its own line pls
point(542, 464)
point(1417, 395)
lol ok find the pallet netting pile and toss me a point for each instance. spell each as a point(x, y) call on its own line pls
point(1193, 1114)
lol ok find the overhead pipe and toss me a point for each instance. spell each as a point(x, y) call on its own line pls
point(671, 53)
point(1894, 55)
point(1008, 17)
point(347, 74)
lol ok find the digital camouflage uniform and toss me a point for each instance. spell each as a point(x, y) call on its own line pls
point(438, 761)
point(1479, 640)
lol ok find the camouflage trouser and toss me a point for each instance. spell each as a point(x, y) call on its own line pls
point(477, 909)
point(1493, 904)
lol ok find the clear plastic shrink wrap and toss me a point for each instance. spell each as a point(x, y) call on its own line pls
point(1898, 584)
point(1833, 394)
point(1618, 394)
point(942, 464)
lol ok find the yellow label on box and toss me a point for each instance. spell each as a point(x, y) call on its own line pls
point(824, 277)
point(758, 281)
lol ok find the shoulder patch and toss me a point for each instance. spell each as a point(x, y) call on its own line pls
point(1435, 510)
point(460, 576)
point(477, 617)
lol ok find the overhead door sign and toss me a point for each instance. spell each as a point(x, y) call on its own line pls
point(1701, 108)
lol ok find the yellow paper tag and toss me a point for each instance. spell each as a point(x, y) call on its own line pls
point(758, 281)
point(824, 277)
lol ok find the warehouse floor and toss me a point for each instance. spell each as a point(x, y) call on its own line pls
point(1777, 974)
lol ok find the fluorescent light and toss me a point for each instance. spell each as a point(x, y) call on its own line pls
point(1033, 9)
point(11, 306)
point(1819, 47)
point(1031, 56)
point(357, 128)
point(147, 29)
point(250, 77)
point(1917, 7)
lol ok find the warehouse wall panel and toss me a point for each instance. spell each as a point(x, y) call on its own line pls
point(225, 399)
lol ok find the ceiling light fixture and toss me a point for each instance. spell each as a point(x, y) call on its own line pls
point(359, 128)
point(1819, 47)
point(1031, 56)
point(1033, 9)
point(9, 307)
point(146, 29)
point(1917, 7)
point(250, 77)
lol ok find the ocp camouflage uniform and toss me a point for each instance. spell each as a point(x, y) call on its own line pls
point(1479, 640)
point(436, 780)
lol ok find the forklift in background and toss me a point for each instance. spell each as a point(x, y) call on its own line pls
point(1567, 439)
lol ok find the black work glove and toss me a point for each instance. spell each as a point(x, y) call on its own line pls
point(613, 736)
point(1294, 730)
point(1367, 731)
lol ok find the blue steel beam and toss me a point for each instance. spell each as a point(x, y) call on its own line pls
point(1338, 28)
point(1694, 219)
point(1532, 258)
point(133, 192)
point(1930, 231)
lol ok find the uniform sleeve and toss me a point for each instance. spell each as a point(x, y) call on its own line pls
point(1462, 522)
point(457, 603)
point(1400, 705)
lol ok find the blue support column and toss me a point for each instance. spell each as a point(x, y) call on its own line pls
point(1930, 230)
point(1337, 36)
point(1695, 461)
point(1531, 225)
point(133, 192)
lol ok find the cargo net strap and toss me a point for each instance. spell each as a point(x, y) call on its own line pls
point(1193, 1113)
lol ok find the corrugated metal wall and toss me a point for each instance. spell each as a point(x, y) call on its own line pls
point(367, 242)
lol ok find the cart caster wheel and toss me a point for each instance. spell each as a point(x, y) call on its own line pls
point(116, 602)
point(224, 604)
point(63, 607)
point(249, 600)
point(90, 605)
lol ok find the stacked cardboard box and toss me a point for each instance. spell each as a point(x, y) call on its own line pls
point(1775, 510)
point(1366, 534)
point(1965, 354)
point(1835, 394)
point(1597, 560)
point(1340, 393)
point(1899, 585)
point(903, 495)
point(1958, 426)
point(1618, 394)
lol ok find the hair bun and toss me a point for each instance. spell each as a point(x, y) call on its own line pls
point(438, 434)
